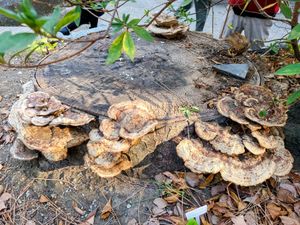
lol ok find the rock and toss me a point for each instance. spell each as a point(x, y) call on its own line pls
point(235, 70)
point(192, 179)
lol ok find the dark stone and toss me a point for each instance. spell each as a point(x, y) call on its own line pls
point(292, 134)
point(43, 7)
point(235, 70)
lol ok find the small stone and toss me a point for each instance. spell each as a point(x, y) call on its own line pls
point(158, 211)
point(192, 179)
point(128, 206)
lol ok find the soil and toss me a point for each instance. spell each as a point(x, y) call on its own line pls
point(69, 183)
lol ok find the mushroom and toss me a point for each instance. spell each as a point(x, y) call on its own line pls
point(164, 20)
point(124, 164)
point(20, 152)
point(207, 131)
point(70, 118)
point(101, 144)
point(248, 172)
point(283, 159)
point(230, 108)
point(228, 143)
point(135, 118)
point(52, 142)
point(266, 140)
point(110, 129)
point(252, 145)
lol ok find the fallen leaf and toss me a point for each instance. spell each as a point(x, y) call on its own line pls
point(288, 221)
point(297, 208)
point(215, 220)
point(160, 203)
point(172, 198)
point(241, 206)
point(5, 197)
point(132, 222)
point(275, 211)
point(44, 199)
point(158, 211)
point(1, 166)
point(250, 218)
point(1, 98)
point(77, 209)
point(178, 182)
point(207, 181)
point(204, 221)
point(176, 220)
point(285, 196)
point(218, 189)
point(238, 220)
point(297, 186)
point(290, 188)
point(107, 209)
point(192, 179)
point(2, 205)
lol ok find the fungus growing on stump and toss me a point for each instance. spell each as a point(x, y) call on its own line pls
point(254, 118)
point(168, 27)
point(133, 130)
point(44, 124)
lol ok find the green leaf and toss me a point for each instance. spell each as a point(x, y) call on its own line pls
point(186, 2)
point(115, 50)
point(133, 23)
point(263, 113)
point(142, 33)
point(295, 33)
point(128, 45)
point(52, 20)
point(286, 10)
point(10, 14)
point(293, 97)
point(192, 222)
point(289, 70)
point(28, 9)
point(12, 43)
point(78, 9)
point(67, 19)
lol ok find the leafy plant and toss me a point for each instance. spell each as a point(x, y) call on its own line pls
point(188, 110)
point(192, 222)
point(291, 70)
point(124, 42)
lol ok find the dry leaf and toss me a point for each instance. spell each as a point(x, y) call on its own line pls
point(107, 209)
point(250, 218)
point(289, 221)
point(241, 206)
point(215, 220)
point(178, 182)
point(285, 196)
point(207, 181)
point(44, 199)
point(132, 222)
point(77, 209)
point(30, 222)
point(218, 189)
point(160, 203)
point(275, 211)
point(172, 198)
point(238, 220)
point(158, 211)
point(1, 166)
point(297, 186)
point(290, 188)
point(175, 220)
point(204, 221)
point(1, 98)
point(297, 208)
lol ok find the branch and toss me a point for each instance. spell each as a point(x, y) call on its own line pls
point(268, 16)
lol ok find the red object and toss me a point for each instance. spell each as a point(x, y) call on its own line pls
point(252, 8)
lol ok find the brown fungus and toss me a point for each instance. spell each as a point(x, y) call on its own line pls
point(230, 108)
point(207, 131)
point(252, 145)
point(266, 140)
point(248, 172)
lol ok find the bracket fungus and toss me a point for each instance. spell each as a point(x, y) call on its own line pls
point(168, 27)
point(223, 149)
point(44, 124)
point(133, 130)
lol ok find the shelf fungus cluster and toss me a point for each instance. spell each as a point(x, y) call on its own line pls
point(132, 131)
point(168, 27)
point(249, 148)
point(44, 124)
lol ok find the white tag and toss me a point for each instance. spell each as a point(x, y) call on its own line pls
point(196, 213)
